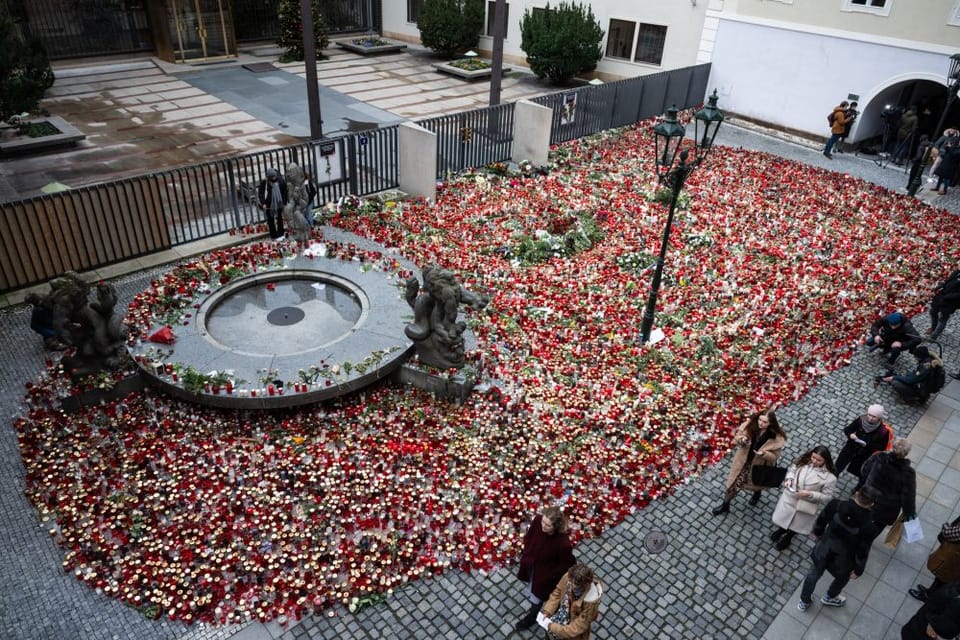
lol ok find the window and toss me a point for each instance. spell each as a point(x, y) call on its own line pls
point(955, 15)
point(492, 12)
point(413, 10)
point(620, 38)
point(876, 7)
point(650, 43)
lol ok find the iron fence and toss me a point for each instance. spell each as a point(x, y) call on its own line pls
point(472, 138)
point(98, 225)
point(94, 226)
point(587, 110)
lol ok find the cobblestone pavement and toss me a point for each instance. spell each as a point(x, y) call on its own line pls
point(718, 578)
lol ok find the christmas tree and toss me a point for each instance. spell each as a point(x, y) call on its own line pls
point(291, 30)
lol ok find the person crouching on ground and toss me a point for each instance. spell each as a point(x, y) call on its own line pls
point(759, 441)
point(912, 387)
point(893, 334)
point(844, 531)
point(573, 605)
point(810, 483)
point(546, 557)
point(944, 562)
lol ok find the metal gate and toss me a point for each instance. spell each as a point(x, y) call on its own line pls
point(73, 28)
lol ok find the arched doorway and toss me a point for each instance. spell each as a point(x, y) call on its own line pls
point(927, 94)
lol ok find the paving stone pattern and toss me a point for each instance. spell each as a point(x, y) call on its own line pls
point(718, 578)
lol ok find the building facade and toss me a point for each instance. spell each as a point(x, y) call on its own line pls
point(788, 62)
point(640, 37)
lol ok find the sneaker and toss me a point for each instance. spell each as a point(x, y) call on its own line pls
point(803, 606)
point(837, 601)
point(828, 155)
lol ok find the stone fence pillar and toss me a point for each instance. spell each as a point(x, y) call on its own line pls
point(418, 161)
point(531, 132)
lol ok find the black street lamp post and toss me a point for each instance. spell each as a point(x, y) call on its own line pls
point(953, 86)
point(668, 138)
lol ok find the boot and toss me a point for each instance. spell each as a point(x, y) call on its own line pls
point(755, 498)
point(723, 508)
point(529, 619)
point(784, 541)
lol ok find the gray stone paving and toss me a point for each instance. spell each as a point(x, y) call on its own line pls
point(719, 578)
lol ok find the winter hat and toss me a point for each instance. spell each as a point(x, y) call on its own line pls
point(876, 410)
point(272, 173)
point(895, 318)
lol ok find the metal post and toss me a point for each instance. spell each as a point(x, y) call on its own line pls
point(310, 63)
point(499, 26)
point(677, 177)
point(370, 31)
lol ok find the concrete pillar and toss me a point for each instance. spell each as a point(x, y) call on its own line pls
point(531, 132)
point(418, 161)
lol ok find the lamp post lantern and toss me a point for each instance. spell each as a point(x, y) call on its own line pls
point(673, 168)
point(953, 86)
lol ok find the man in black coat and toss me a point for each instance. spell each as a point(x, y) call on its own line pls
point(946, 300)
point(893, 334)
point(272, 196)
point(939, 617)
point(894, 483)
point(844, 531)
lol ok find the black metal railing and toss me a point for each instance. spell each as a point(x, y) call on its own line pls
point(472, 138)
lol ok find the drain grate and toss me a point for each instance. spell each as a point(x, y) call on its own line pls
point(259, 67)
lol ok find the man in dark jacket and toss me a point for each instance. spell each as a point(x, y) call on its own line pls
point(894, 484)
point(913, 387)
point(939, 617)
point(946, 299)
point(866, 435)
point(893, 334)
point(844, 531)
point(272, 196)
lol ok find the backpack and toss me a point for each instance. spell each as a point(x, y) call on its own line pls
point(936, 379)
point(831, 118)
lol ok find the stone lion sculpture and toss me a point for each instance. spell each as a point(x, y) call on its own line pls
point(435, 330)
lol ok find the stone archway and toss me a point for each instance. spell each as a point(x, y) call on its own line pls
point(927, 91)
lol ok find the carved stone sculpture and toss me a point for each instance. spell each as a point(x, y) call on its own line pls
point(97, 334)
point(295, 211)
point(435, 330)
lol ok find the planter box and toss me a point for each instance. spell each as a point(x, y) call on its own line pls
point(68, 135)
point(446, 67)
point(365, 50)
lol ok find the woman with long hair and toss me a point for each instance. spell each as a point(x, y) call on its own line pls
point(759, 441)
point(547, 554)
point(809, 485)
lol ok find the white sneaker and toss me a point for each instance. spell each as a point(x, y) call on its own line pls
point(838, 601)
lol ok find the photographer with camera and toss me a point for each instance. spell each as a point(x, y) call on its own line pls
point(838, 124)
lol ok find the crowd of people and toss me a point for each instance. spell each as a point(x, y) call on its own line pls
point(904, 140)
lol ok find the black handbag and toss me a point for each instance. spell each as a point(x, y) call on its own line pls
point(765, 476)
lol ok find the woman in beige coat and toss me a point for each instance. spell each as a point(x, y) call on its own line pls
point(573, 605)
point(809, 484)
point(759, 442)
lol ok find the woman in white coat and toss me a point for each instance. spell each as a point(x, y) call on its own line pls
point(809, 484)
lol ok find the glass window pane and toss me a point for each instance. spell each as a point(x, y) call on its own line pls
point(413, 10)
point(650, 43)
point(620, 38)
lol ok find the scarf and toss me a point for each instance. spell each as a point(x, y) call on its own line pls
point(276, 198)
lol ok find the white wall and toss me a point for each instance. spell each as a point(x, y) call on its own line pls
point(793, 79)
point(683, 19)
